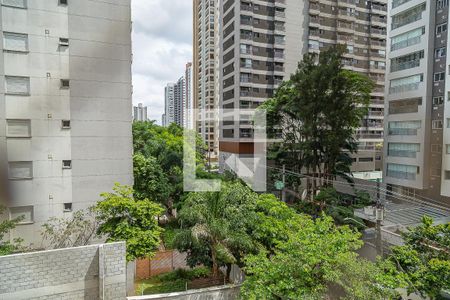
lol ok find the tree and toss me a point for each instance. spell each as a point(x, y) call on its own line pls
point(158, 162)
point(425, 258)
point(122, 218)
point(6, 247)
point(317, 257)
point(214, 225)
point(74, 231)
point(316, 114)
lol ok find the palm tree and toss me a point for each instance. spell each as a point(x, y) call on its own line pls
point(218, 221)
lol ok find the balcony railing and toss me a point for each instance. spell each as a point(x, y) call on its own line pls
point(401, 175)
point(405, 65)
point(406, 43)
point(404, 88)
point(402, 153)
point(402, 131)
point(379, 7)
point(397, 3)
point(408, 20)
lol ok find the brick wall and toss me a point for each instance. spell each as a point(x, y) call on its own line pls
point(91, 272)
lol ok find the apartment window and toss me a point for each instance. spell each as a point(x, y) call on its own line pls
point(20, 170)
point(63, 2)
point(65, 83)
point(15, 42)
point(407, 39)
point(441, 3)
point(439, 76)
point(67, 207)
point(448, 123)
point(67, 164)
point(403, 149)
point(65, 124)
point(402, 171)
point(365, 159)
point(405, 84)
point(436, 148)
point(17, 85)
point(18, 128)
point(408, 16)
point(15, 3)
point(441, 28)
point(447, 175)
point(447, 149)
point(64, 42)
point(437, 124)
point(438, 100)
point(440, 52)
point(404, 127)
point(24, 212)
point(404, 106)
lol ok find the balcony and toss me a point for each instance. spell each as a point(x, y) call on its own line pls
point(397, 3)
point(404, 88)
point(405, 65)
point(379, 7)
point(402, 131)
point(402, 153)
point(406, 43)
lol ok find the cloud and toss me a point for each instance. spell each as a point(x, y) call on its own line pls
point(162, 45)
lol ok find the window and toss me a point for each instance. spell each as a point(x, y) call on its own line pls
point(18, 128)
point(405, 84)
point(408, 16)
point(448, 123)
point(65, 83)
point(437, 124)
point(404, 106)
point(441, 28)
point(15, 3)
point(63, 42)
point(441, 4)
point(403, 150)
point(402, 171)
point(19, 170)
point(404, 127)
point(447, 175)
point(439, 76)
point(67, 164)
point(447, 148)
point(15, 42)
point(65, 124)
point(438, 100)
point(63, 2)
point(436, 148)
point(67, 207)
point(407, 39)
point(365, 159)
point(17, 85)
point(440, 52)
point(24, 212)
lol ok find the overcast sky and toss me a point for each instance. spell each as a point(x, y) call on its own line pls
point(162, 45)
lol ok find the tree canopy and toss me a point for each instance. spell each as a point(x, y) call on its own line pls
point(122, 218)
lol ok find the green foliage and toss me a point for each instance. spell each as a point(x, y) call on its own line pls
point(215, 225)
point(188, 274)
point(7, 247)
point(316, 114)
point(123, 218)
point(425, 258)
point(316, 257)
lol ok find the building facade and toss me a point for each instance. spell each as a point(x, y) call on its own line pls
point(179, 101)
point(169, 104)
point(262, 43)
point(417, 151)
point(206, 72)
point(188, 115)
point(65, 102)
point(140, 113)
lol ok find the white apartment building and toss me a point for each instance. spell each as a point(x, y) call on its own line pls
point(65, 102)
point(169, 104)
point(140, 113)
point(417, 114)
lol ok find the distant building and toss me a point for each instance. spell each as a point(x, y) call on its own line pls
point(169, 104)
point(140, 113)
point(163, 120)
point(179, 101)
point(189, 101)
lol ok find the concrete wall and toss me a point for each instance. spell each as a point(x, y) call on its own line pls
point(91, 272)
point(229, 292)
